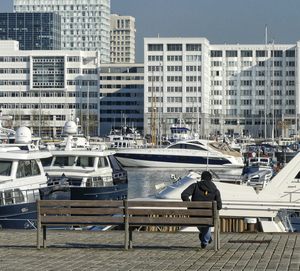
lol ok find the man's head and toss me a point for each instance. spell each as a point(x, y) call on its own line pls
point(206, 176)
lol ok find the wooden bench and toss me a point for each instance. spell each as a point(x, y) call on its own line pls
point(173, 214)
point(130, 214)
point(78, 213)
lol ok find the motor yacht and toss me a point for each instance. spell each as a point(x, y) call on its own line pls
point(274, 207)
point(21, 177)
point(83, 172)
point(194, 153)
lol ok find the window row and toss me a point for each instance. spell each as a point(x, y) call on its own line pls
point(249, 53)
point(82, 83)
point(192, 110)
point(48, 106)
point(121, 86)
point(124, 94)
point(131, 120)
point(174, 47)
point(14, 70)
point(121, 78)
point(133, 103)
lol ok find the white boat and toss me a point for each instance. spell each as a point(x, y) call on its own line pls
point(182, 154)
point(123, 140)
point(6, 135)
point(269, 205)
point(83, 172)
point(258, 171)
point(180, 131)
point(240, 144)
point(21, 177)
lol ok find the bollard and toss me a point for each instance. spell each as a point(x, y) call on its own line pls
point(250, 224)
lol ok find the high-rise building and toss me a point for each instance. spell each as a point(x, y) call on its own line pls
point(121, 97)
point(220, 89)
point(44, 89)
point(34, 31)
point(85, 23)
point(122, 39)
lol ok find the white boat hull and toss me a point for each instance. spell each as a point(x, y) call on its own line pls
point(128, 162)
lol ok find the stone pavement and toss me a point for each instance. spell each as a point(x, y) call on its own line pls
point(96, 250)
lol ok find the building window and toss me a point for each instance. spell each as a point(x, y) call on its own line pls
point(193, 47)
point(261, 53)
point(247, 53)
point(231, 53)
point(155, 47)
point(216, 53)
point(290, 53)
point(174, 47)
point(276, 53)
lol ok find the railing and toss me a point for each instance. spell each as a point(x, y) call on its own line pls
point(16, 196)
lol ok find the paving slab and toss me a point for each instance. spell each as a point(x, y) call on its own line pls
point(98, 250)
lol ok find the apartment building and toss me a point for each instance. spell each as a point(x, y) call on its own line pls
point(85, 23)
point(44, 89)
point(221, 89)
point(122, 39)
point(121, 97)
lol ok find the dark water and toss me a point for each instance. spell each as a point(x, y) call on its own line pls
point(142, 181)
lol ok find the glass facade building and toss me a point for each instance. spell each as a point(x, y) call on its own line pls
point(34, 31)
point(85, 24)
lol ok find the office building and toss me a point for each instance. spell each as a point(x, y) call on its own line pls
point(122, 39)
point(85, 23)
point(121, 97)
point(44, 89)
point(222, 89)
point(34, 31)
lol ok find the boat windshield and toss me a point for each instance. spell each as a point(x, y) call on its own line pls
point(186, 146)
point(5, 168)
point(64, 160)
point(85, 161)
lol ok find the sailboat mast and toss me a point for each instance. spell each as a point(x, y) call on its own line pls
point(266, 82)
point(273, 97)
point(152, 117)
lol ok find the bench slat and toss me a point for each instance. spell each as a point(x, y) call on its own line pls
point(82, 219)
point(169, 221)
point(195, 204)
point(81, 203)
point(193, 212)
point(82, 211)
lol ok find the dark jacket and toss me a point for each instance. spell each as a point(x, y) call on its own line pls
point(203, 191)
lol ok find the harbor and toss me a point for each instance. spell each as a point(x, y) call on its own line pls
point(97, 250)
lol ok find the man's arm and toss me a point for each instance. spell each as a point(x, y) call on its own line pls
point(218, 199)
point(185, 195)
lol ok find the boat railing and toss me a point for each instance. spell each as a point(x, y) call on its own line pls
point(16, 196)
point(99, 181)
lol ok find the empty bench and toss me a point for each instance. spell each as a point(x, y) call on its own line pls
point(78, 213)
point(129, 214)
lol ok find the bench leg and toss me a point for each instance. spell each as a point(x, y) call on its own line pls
point(216, 239)
point(44, 236)
point(130, 237)
point(126, 237)
point(38, 236)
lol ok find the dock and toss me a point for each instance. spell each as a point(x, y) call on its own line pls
point(98, 250)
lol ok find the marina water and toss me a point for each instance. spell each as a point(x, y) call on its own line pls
point(142, 181)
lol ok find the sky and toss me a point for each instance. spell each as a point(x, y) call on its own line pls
point(220, 21)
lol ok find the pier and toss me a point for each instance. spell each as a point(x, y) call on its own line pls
point(97, 250)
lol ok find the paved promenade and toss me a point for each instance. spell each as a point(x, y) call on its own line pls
point(96, 250)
